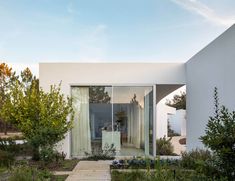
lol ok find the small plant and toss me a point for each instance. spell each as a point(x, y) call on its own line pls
point(26, 173)
point(193, 159)
point(164, 146)
point(49, 155)
point(142, 163)
point(108, 153)
point(6, 159)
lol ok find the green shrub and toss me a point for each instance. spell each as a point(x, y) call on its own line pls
point(107, 153)
point(194, 158)
point(220, 139)
point(164, 146)
point(25, 173)
point(6, 159)
point(48, 155)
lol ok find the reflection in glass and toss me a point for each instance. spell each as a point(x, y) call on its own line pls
point(100, 108)
point(119, 115)
point(131, 107)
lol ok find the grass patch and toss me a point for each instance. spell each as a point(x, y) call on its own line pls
point(63, 165)
point(3, 169)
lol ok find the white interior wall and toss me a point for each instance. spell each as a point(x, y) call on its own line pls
point(162, 112)
point(178, 122)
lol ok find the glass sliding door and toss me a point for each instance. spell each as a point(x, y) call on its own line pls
point(81, 137)
point(117, 115)
point(132, 118)
point(100, 109)
point(93, 113)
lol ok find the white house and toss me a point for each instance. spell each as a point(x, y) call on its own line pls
point(117, 102)
point(177, 122)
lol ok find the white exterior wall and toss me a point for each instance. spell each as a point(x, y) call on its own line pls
point(214, 66)
point(108, 74)
point(178, 122)
point(162, 117)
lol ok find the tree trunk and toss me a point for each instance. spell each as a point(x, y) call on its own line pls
point(5, 128)
point(35, 156)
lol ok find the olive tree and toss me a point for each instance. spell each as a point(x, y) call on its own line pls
point(41, 116)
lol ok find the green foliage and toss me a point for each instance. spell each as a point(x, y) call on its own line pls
point(194, 158)
point(6, 158)
point(7, 80)
point(107, 154)
point(164, 146)
point(160, 174)
point(25, 173)
point(49, 155)
point(40, 116)
point(220, 139)
point(178, 101)
point(171, 132)
point(97, 94)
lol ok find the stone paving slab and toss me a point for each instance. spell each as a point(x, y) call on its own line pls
point(92, 165)
point(91, 171)
point(62, 172)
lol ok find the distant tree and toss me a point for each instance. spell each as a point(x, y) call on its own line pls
point(134, 100)
point(97, 94)
point(171, 132)
point(7, 80)
point(178, 101)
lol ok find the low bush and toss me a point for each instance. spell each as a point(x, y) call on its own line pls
point(108, 153)
point(25, 173)
point(48, 155)
point(142, 163)
point(164, 146)
point(6, 159)
point(159, 174)
point(195, 158)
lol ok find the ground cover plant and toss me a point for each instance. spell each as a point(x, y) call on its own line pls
point(191, 167)
point(148, 170)
point(108, 153)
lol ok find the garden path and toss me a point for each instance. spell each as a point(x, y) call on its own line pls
point(91, 171)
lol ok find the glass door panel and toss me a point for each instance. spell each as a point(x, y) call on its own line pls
point(131, 117)
point(118, 115)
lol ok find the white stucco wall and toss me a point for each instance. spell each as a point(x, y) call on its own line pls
point(108, 74)
point(163, 112)
point(178, 122)
point(214, 66)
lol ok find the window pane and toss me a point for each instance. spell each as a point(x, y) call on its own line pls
point(132, 117)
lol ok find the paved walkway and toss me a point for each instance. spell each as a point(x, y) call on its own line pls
point(178, 148)
point(91, 171)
